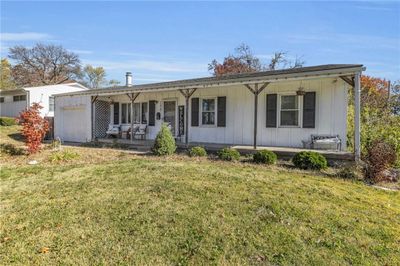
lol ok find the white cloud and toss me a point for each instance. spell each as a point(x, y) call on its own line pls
point(24, 36)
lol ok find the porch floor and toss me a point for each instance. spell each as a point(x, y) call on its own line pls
point(282, 152)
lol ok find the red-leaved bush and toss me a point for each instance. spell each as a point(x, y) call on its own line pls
point(380, 157)
point(34, 127)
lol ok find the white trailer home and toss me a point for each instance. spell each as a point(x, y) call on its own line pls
point(12, 102)
point(282, 108)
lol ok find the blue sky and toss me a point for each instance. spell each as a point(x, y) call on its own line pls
point(160, 41)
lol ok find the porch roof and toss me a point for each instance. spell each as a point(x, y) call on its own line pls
point(232, 79)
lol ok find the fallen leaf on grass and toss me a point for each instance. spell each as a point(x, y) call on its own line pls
point(44, 250)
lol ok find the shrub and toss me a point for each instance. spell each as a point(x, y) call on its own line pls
point(309, 160)
point(34, 127)
point(56, 144)
point(63, 156)
point(380, 157)
point(228, 154)
point(265, 157)
point(7, 121)
point(164, 143)
point(348, 172)
point(197, 152)
point(11, 149)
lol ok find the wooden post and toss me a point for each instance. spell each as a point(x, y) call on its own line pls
point(187, 121)
point(255, 116)
point(357, 112)
point(132, 97)
point(255, 92)
point(187, 93)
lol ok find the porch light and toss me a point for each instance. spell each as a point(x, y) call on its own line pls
point(300, 91)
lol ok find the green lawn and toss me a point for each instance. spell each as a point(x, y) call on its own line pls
point(178, 210)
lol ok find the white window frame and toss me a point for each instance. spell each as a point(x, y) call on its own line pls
point(215, 112)
point(129, 113)
point(54, 104)
point(299, 109)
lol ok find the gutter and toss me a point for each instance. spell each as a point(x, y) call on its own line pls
point(224, 82)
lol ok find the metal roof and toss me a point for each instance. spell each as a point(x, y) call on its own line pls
point(338, 69)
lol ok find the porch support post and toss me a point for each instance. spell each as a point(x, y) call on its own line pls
point(255, 92)
point(357, 112)
point(132, 96)
point(92, 112)
point(187, 93)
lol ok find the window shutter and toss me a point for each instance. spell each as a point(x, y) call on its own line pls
point(221, 116)
point(152, 113)
point(309, 110)
point(116, 113)
point(195, 112)
point(271, 110)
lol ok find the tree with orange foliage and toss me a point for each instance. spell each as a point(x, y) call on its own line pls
point(34, 127)
point(374, 91)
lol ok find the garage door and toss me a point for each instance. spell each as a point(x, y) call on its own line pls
point(74, 126)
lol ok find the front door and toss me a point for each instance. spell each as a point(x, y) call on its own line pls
point(170, 115)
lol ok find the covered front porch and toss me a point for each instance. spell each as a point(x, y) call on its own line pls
point(276, 112)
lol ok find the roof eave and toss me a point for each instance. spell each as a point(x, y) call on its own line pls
point(226, 82)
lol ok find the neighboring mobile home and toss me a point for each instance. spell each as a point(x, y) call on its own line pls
point(272, 108)
point(12, 102)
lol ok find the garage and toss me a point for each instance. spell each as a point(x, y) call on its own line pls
point(72, 121)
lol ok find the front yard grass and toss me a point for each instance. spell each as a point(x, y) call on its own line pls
point(179, 210)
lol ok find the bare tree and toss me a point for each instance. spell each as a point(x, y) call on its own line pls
point(244, 61)
point(44, 65)
point(278, 59)
point(113, 82)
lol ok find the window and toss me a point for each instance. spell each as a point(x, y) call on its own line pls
point(129, 112)
point(18, 98)
point(136, 113)
point(208, 112)
point(289, 110)
point(125, 113)
point(124, 116)
point(1, 99)
point(144, 113)
point(51, 104)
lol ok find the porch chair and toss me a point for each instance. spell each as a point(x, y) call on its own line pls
point(141, 131)
point(113, 131)
point(131, 132)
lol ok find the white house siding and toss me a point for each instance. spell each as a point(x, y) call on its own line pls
point(72, 120)
point(41, 95)
point(331, 110)
point(330, 117)
point(10, 108)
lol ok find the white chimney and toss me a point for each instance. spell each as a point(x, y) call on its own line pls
point(128, 79)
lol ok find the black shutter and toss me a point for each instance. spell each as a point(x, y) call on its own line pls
point(271, 109)
point(221, 112)
point(195, 112)
point(152, 113)
point(181, 120)
point(116, 113)
point(309, 110)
